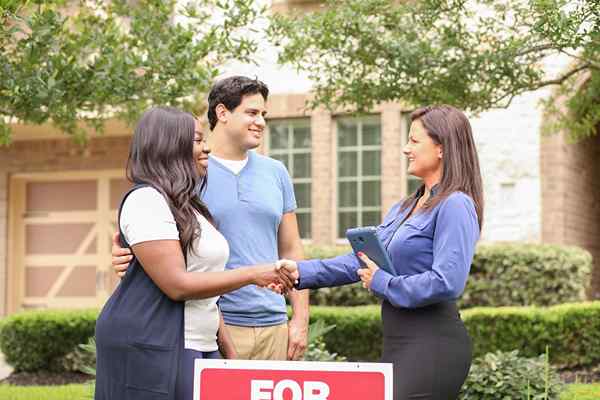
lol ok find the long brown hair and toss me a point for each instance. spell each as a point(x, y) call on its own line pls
point(161, 155)
point(450, 128)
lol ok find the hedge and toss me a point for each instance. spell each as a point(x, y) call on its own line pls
point(572, 331)
point(39, 340)
point(521, 274)
point(507, 274)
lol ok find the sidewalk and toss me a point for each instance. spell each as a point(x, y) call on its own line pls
point(5, 370)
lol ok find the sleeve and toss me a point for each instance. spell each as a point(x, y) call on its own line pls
point(339, 270)
point(454, 239)
point(287, 189)
point(146, 216)
point(335, 271)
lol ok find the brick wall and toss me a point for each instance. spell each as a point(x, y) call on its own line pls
point(64, 155)
point(3, 239)
point(393, 171)
point(323, 186)
point(571, 196)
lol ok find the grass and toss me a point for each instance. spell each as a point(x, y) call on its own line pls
point(582, 392)
point(82, 392)
point(64, 392)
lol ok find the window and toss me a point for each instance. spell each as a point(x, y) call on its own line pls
point(412, 182)
point(289, 142)
point(359, 172)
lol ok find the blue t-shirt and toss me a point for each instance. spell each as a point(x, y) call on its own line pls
point(247, 209)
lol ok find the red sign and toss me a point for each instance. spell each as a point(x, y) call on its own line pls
point(282, 380)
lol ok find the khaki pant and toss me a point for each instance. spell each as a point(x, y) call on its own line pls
point(260, 343)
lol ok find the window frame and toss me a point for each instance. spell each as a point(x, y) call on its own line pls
point(290, 151)
point(359, 149)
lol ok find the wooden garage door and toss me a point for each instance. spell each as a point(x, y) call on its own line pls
point(61, 230)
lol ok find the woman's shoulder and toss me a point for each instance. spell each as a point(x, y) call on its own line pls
point(144, 196)
point(146, 201)
point(458, 201)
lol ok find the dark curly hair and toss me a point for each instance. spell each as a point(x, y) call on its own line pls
point(161, 155)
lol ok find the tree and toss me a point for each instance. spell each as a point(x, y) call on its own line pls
point(475, 54)
point(76, 63)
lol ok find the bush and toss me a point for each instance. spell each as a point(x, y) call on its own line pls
point(357, 334)
point(508, 274)
point(499, 376)
point(38, 340)
point(41, 340)
point(571, 331)
point(348, 295)
point(316, 350)
point(519, 274)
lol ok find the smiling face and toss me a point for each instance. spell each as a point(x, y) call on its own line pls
point(245, 125)
point(424, 155)
point(201, 148)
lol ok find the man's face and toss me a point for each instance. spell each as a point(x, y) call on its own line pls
point(245, 125)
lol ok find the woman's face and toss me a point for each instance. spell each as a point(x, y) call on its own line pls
point(424, 155)
point(201, 148)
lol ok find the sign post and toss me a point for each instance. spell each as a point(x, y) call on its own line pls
point(291, 380)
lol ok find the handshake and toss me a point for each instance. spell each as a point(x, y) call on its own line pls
point(279, 277)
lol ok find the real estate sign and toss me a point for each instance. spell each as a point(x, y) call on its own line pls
point(287, 380)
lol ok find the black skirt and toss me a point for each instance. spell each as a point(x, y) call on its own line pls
point(430, 349)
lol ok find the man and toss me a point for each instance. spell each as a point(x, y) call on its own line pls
point(252, 201)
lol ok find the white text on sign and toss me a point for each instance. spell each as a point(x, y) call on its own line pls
point(268, 390)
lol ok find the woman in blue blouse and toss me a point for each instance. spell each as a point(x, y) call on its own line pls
point(431, 238)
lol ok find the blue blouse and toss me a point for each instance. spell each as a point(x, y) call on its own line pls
point(431, 254)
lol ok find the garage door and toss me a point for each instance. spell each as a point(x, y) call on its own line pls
point(60, 231)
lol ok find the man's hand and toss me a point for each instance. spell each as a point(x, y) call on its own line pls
point(297, 338)
point(121, 256)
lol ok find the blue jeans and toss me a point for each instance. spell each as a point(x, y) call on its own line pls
point(185, 382)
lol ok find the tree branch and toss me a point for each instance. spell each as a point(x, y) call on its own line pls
point(592, 63)
point(563, 78)
point(535, 49)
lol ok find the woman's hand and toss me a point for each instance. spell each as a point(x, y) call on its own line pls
point(366, 274)
point(289, 270)
point(279, 276)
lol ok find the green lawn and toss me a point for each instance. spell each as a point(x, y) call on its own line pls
point(83, 392)
point(66, 392)
point(582, 392)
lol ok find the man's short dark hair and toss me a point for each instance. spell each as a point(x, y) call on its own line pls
point(230, 91)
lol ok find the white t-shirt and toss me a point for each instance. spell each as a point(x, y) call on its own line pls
point(234, 165)
point(145, 217)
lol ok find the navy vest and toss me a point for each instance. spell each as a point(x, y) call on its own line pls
point(139, 338)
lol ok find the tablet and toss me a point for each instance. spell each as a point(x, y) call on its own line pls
point(364, 239)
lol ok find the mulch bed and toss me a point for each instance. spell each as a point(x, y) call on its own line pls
point(582, 375)
point(45, 378)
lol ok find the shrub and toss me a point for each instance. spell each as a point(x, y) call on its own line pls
point(507, 274)
point(518, 274)
point(316, 350)
point(38, 340)
point(348, 295)
point(499, 376)
point(571, 331)
point(357, 334)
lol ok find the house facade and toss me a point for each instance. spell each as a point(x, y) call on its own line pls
point(58, 200)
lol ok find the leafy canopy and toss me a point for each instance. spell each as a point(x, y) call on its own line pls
point(75, 63)
point(475, 54)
